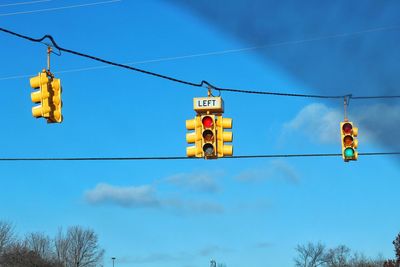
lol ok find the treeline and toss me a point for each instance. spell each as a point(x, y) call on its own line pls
point(76, 247)
point(318, 255)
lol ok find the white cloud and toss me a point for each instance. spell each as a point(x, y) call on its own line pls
point(132, 196)
point(275, 169)
point(319, 119)
point(186, 206)
point(145, 197)
point(203, 182)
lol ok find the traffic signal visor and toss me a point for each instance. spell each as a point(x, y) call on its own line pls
point(223, 136)
point(194, 137)
point(41, 96)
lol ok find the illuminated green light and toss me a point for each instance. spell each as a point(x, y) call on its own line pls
point(349, 152)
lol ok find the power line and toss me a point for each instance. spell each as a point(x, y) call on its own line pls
point(24, 3)
point(218, 52)
point(57, 8)
point(203, 83)
point(184, 158)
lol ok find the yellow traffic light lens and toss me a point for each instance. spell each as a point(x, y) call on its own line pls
point(208, 149)
point(348, 140)
point(208, 136)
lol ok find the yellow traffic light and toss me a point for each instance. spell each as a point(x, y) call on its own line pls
point(222, 136)
point(208, 134)
point(194, 137)
point(349, 142)
point(41, 96)
point(48, 95)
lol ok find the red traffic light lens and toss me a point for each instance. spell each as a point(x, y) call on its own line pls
point(208, 135)
point(207, 121)
point(347, 127)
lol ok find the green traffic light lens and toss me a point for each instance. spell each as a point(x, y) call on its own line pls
point(349, 152)
point(208, 149)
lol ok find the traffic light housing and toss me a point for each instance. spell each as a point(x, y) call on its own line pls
point(349, 142)
point(48, 94)
point(194, 137)
point(209, 136)
point(222, 136)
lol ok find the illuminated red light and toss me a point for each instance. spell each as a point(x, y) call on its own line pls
point(207, 122)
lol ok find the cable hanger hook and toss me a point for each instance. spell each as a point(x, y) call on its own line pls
point(49, 50)
point(346, 105)
point(209, 88)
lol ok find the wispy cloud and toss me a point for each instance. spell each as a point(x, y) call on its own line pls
point(145, 196)
point(212, 250)
point(201, 181)
point(130, 196)
point(275, 169)
point(317, 118)
point(263, 245)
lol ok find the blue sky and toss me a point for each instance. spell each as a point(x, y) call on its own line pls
point(183, 213)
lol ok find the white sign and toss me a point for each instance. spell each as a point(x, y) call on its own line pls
point(201, 104)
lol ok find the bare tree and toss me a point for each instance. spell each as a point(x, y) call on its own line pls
point(61, 244)
point(83, 248)
point(6, 235)
point(40, 244)
point(360, 260)
point(310, 255)
point(338, 257)
point(18, 255)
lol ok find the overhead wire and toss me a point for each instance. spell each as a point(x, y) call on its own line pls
point(57, 8)
point(219, 52)
point(24, 3)
point(184, 158)
point(203, 83)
